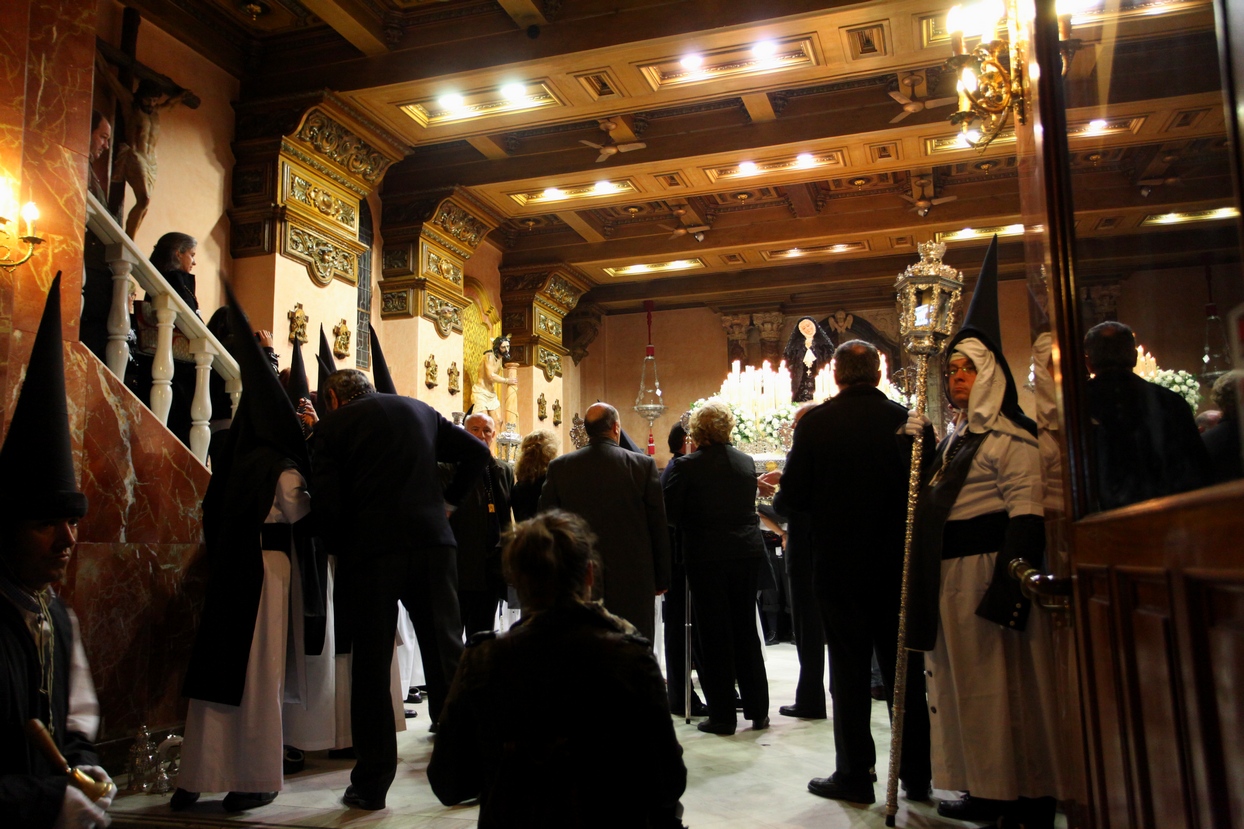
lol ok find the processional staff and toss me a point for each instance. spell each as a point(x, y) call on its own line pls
point(927, 295)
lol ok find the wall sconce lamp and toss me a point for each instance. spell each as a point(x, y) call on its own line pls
point(991, 75)
point(11, 240)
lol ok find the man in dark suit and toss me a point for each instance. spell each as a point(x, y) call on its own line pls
point(858, 536)
point(378, 494)
point(1144, 436)
point(809, 629)
point(619, 495)
point(478, 523)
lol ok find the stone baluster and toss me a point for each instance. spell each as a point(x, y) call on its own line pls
point(162, 367)
point(201, 406)
point(233, 387)
point(117, 351)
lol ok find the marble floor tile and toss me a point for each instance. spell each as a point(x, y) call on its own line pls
point(752, 780)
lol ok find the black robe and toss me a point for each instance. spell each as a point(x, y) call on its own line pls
point(31, 791)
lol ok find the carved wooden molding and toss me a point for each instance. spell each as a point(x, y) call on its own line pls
point(443, 312)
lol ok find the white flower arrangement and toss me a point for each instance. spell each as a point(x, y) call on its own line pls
point(1181, 382)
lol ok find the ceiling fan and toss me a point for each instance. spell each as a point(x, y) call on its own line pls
point(911, 105)
point(922, 202)
point(609, 148)
point(694, 231)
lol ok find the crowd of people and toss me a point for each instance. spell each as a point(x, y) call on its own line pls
point(312, 582)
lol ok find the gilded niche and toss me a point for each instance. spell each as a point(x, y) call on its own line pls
point(324, 259)
point(460, 224)
point(341, 341)
point(337, 143)
point(320, 199)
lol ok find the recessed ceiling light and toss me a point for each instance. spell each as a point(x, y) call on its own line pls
point(513, 91)
point(1097, 124)
point(691, 61)
point(804, 160)
point(604, 187)
point(553, 193)
point(746, 168)
point(794, 252)
point(764, 49)
point(451, 101)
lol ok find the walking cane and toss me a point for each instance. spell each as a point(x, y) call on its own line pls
point(686, 652)
point(927, 293)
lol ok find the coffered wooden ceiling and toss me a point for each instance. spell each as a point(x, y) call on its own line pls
point(780, 178)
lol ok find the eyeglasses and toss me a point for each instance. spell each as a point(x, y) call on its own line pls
point(966, 370)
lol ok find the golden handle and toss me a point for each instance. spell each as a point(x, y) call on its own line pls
point(1046, 591)
point(38, 735)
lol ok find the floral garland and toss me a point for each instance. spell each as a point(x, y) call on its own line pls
point(1183, 383)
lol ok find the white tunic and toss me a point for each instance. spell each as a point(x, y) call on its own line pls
point(991, 691)
point(239, 748)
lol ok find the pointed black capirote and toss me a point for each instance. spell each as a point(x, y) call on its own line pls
point(981, 323)
point(382, 379)
point(982, 316)
point(267, 416)
point(327, 366)
point(36, 459)
point(297, 388)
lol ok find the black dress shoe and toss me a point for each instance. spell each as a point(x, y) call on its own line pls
point(835, 788)
point(710, 727)
point(410, 715)
point(182, 800)
point(294, 761)
point(356, 801)
point(414, 697)
point(801, 713)
point(698, 709)
point(241, 801)
point(971, 808)
point(760, 724)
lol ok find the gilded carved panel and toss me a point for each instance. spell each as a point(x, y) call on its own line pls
point(325, 259)
point(323, 201)
point(460, 225)
point(441, 265)
point(350, 152)
point(446, 315)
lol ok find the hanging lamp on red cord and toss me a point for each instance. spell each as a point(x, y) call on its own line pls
point(648, 403)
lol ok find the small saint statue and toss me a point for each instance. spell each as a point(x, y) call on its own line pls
point(557, 412)
point(341, 339)
point(429, 371)
point(455, 377)
point(542, 411)
point(298, 320)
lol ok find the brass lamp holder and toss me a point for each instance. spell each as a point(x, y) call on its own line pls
point(31, 242)
point(928, 293)
point(1000, 84)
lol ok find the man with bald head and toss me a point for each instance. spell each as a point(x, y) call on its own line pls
point(619, 494)
point(478, 524)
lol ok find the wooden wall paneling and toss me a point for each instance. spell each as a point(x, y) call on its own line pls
point(1156, 714)
point(1213, 665)
point(1109, 774)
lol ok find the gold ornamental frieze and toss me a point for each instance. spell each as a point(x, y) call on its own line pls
point(327, 258)
point(397, 303)
point(332, 140)
point(441, 265)
point(318, 201)
point(443, 312)
point(460, 224)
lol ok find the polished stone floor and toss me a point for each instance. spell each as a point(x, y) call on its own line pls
point(752, 780)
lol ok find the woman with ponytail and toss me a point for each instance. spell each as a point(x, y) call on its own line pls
point(562, 721)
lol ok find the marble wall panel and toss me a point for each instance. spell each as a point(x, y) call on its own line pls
point(138, 606)
point(144, 485)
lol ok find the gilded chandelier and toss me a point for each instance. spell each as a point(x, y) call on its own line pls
point(992, 82)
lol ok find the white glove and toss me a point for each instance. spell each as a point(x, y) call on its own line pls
point(78, 812)
point(915, 424)
point(97, 773)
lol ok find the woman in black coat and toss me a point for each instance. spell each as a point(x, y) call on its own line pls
point(710, 496)
point(562, 720)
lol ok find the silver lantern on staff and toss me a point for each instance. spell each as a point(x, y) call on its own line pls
point(928, 294)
